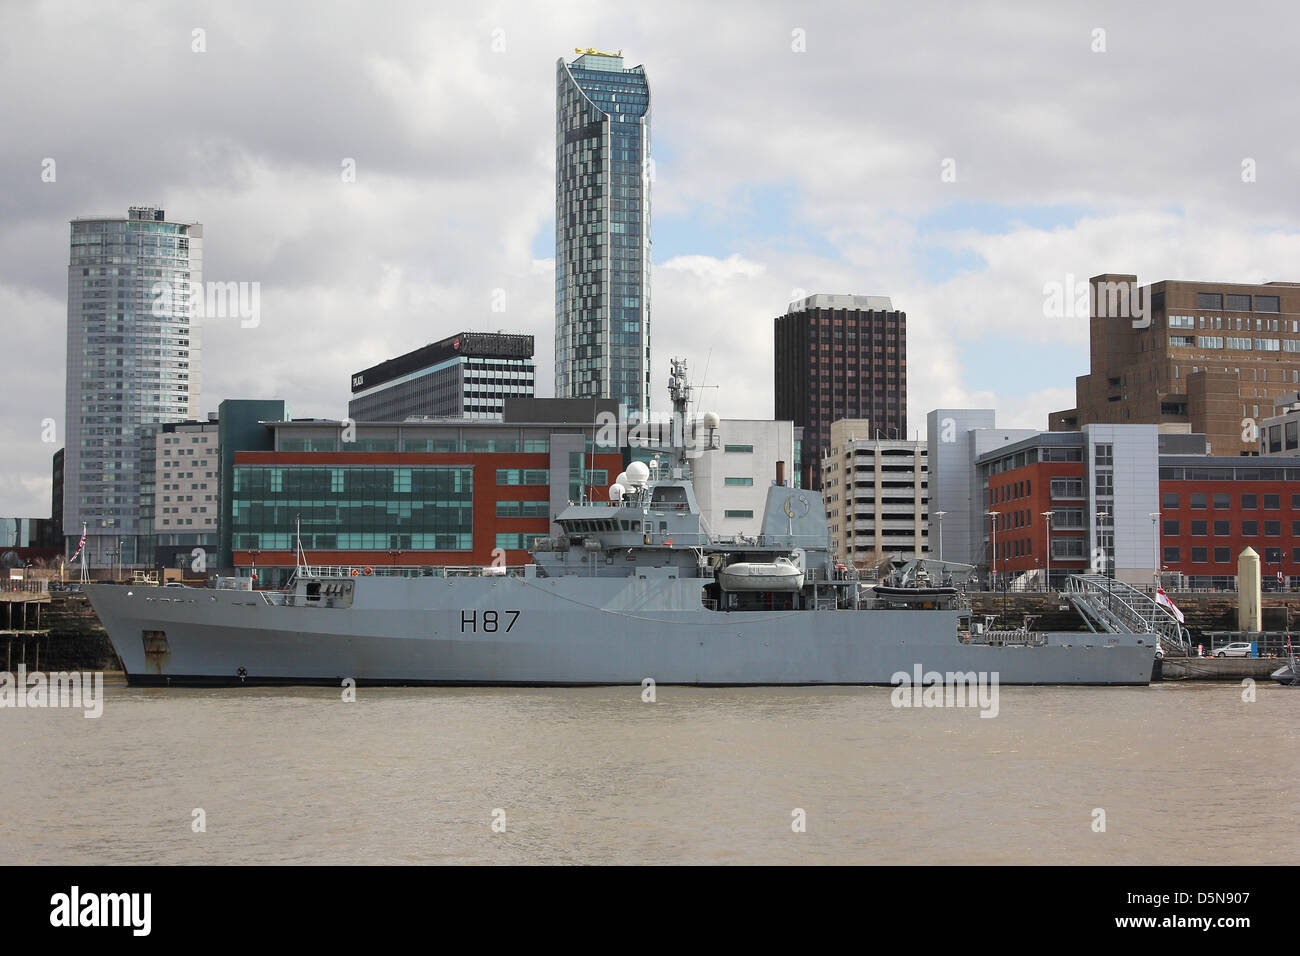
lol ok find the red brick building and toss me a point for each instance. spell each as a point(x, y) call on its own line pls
point(412, 494)
point(1199, 511)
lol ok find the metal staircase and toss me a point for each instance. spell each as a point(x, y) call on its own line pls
point(1114, 607)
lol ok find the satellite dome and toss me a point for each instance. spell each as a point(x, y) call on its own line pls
point(622, 480)
point(616, 492)
point(711, 420)
point(637, 472)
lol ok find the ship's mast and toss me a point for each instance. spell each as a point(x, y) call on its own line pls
point(679, 390)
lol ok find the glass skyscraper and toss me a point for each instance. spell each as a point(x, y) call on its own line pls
point(602, 231)
point(133, 362)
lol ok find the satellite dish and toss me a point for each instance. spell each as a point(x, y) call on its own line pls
point(637, 472)
point(616, 492)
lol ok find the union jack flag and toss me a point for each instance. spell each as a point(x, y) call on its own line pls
point(80, 545)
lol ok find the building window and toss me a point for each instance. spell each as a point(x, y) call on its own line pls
point(1222, 529)
point(1170, 529)
point(1067, 547)
point(1222, 501)
point(1209, 300)
point(738, 513)
point(1222, 555)
point(1200, 529)
point(523, 476)
point(738, 482)
point(1250, 529)
point(1173, 555)
point(1105, 454)
point(1249, 502)
point(1272, 529)
point(1272, 502)
point(1169, 500)
point(517, 542)
point(1268, 303)
point(1198, 502)
point(1200, 555)
point(738, 449)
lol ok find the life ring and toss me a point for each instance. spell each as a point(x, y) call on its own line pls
point(368, 571)
point(356, 573)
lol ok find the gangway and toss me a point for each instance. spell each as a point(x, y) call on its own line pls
point(1118, 608)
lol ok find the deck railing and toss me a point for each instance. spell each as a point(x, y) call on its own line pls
point(407, 571)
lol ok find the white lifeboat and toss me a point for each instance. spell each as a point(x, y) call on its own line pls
point(779, 575)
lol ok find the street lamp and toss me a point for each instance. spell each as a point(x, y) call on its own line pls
point(939, 517)
point(1105, 555)
point(1047, 516)
point(993, 550)
point(394, 553)
point(1155, 534)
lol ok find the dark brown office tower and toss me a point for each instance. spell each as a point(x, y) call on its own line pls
point(1206, 357)
point(840, 356)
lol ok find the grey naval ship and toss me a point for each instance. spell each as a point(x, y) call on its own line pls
point(632, 589)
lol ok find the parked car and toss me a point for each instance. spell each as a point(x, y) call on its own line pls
point(1240, 649)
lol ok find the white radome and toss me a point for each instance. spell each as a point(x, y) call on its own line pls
point(710, 420)
point(637, 472)
point(616, 492)
point(623, 480)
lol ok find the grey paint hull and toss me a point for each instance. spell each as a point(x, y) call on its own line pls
point(567, 631)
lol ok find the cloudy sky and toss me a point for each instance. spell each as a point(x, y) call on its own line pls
point(798, 148)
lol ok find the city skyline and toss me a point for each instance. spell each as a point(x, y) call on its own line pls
point(944, 191)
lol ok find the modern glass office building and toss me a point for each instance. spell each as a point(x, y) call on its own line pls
point(602, 231)
point(133, 361)
point(469, 375)
point(416, 493)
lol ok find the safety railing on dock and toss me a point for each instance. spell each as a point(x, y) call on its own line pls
point(34, 586)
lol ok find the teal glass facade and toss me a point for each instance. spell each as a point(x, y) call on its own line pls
point(602, 232)
point(353, 507)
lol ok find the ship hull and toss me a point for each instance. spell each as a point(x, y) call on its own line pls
point(565, 632)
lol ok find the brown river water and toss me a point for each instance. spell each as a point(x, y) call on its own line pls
point(1185, 773)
